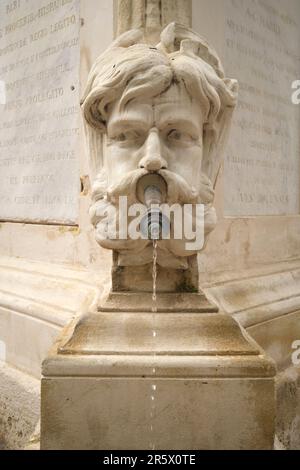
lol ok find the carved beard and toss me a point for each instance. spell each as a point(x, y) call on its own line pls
point(171, 253)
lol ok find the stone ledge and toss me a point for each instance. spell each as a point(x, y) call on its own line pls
point(165, 302)
point(47, 288)
point(36, 300)
point(231, 367)
point(160, 334)
point(258, 295)
point(265, 301)
point(189, 345)
point(276, 337)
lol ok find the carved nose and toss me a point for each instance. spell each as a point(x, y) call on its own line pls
point(153, 161)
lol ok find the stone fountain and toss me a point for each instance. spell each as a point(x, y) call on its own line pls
point(167, 371)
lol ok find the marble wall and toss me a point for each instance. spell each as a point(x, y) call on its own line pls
point(262, 164)
point(44, 190)
point(257, 194)
point(39, 120)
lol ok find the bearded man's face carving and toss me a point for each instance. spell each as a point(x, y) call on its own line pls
point(161, 110)
point(154, 134)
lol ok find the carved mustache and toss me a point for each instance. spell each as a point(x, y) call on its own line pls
point(178, 190)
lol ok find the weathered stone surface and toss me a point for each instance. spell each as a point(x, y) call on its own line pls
point(39, 118)
point(170, 334)
point(262, 50)
point(288, 408)
point(36, 301)
point(165, 302)
point(152, 15)
point(124, 379)
point(118, 413)
point(146, 373)
point(266, 301)
point(147, 113)
point(19, 407)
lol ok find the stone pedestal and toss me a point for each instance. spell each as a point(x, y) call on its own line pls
point(182, 378)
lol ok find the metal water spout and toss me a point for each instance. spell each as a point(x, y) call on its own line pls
point(152, 191)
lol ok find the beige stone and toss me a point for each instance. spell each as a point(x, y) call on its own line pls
point(190, 414)
point(19, 407)
point(288, 408)
point(264, 300)
point(148, 380)
point(151, 15)
point(249, 267)
point(183, 376)
point(39, 118)
point(37, 300)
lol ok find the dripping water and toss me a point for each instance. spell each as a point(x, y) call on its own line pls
point(154, 276)
point(154, 311)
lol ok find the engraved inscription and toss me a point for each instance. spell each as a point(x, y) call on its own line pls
point(39, 118)
point(262, 165)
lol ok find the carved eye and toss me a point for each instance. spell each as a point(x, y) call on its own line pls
point(174, 134)
point(120, 138)
point(127, 136)
point(178, 136)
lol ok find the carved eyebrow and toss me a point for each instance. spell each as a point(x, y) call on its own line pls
point(180, 123)
point(120, 124)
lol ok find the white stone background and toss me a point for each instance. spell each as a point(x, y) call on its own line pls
point(39, 120)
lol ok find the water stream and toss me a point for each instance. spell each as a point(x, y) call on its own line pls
point(154, 333)
point(154, 277)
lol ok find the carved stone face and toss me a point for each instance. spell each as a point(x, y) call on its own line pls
point(161, 135)
point(163, 110)
point(154, 134)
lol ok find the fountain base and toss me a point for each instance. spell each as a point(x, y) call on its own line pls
point(214, 386)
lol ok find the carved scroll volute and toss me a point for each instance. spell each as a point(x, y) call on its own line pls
point(152, 16)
